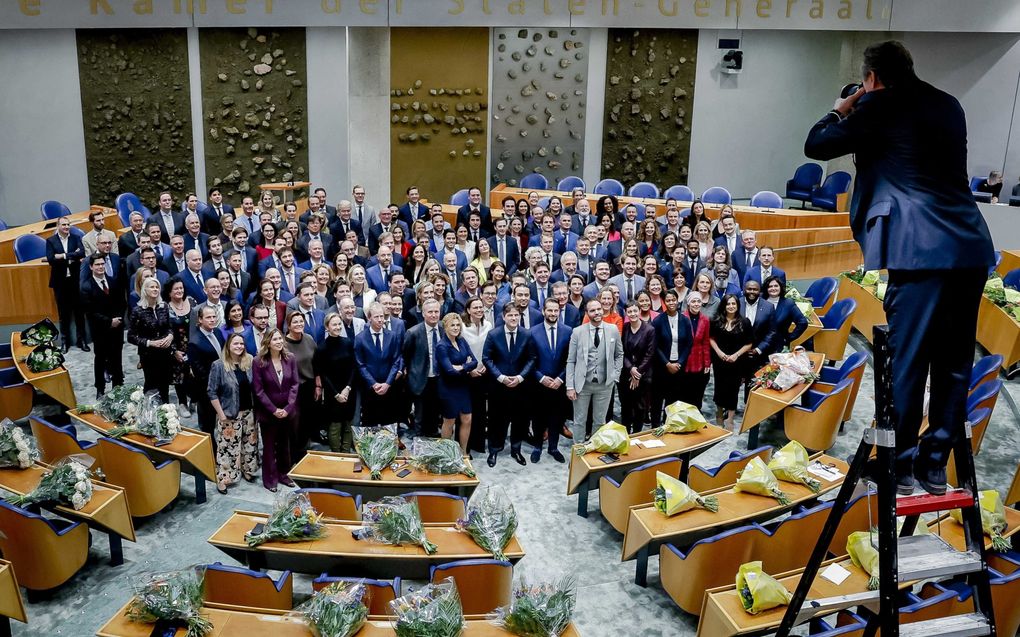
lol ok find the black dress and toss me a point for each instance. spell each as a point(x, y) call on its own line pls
point(728, 375)
point(152, 324)
point(334, 365)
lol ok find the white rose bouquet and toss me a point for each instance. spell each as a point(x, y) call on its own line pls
point(69, 482)
point(17, 449)
point(147, 417)
point(119, 405)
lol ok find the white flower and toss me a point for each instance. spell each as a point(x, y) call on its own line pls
point(82, 487)
point(24, 460)
point(78, 501)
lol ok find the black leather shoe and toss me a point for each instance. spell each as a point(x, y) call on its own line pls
point(518, 458)
point(536, 455)
point(66, 348)
point(557, 456)
point(492, 460)
point(84, 347)
point(904, 484)
point(932, 481)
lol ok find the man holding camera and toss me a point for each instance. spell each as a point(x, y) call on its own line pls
point(913, 214)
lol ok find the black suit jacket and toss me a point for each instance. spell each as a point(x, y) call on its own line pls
point(60, 269)
point(127, 244)
point(201, 355)
point(102, 308)
point(178, 228)
point(464, 211)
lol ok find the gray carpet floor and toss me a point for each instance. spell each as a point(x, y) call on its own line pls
point(556, 540)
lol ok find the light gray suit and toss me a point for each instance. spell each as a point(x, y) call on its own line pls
point(369, 217)
point(620, 282)
point(597, 394)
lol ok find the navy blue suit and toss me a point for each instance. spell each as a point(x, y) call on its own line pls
point(336, 228)
point(405, 215)
point(191, 286)
point(534, 317)
point(375, 366)
point(913, 213)
point(570, 316)
point(508, 406)
point(786, 317)
point(86, 270)
point(375, 279)
point(754, 274)
point(550, 362)
point(666, 387)
point(739, 258)
point(513, 252)
point(464, 212)
point(200, 243)
point(377, 230)
point(211, 219)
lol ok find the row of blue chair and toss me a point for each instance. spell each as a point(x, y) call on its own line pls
point(806, 186)
point(644, 189)
point(29, 247)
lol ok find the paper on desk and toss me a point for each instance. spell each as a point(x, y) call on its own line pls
point(825, 472)
point(651, 444)
point(836, 574)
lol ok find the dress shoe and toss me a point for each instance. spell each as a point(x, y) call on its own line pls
point(518, 458)
point(84, 347)
point(933, 480)
point(222, 490)
point(66, 348)
point(557, 456)
point(286, 481)
point(536, 455)
point(567, 433)
point(904, 484)
point(492, 460)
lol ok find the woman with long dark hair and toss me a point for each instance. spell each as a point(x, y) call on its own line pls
point(414, 268)
point(302, 346)
point(790, 322)
point(731, 337)
point(697, 216)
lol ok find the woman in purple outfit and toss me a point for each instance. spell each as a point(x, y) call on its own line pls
point(275, 383)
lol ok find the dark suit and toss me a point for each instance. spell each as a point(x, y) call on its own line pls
point(376, 280)
point(665, 386)
point(739, 258)
point(326, 239)
point(336, 228)
point(638, 352)
point(513, 252)
point(755, 274)
point(408, 217)
point(200, 243)
point(570, 316)
point(764, 328)
point(211, 219)
point(251, 258)
point(550, 362)
point(786, 317)
point(65, 279)
point(201, 357)
point(108, 341)
point(170, 264)
point(165, 230)
point(423, 387)
point(377, 230)
point(465, 211)
point(191, 287)
point(115, 267)
point(375, 366)
point(508, 406)
point(534, 317)
point(127, 244)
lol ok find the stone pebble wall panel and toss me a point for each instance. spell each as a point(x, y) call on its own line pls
point(438, 106)
point(254, 105)
point(539, 93)
point(649, 101)
point(136, 108)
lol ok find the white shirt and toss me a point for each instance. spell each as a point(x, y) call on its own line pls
point(674, 349)
point(751, 311)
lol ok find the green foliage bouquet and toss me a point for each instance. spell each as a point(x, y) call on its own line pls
point(490, 520)
point(17, 449)
point(171, 599)
point(338, 610)
point(433, 610)
point(438, 455)
point(395, 520)
point(69, 482)
point(377, 447)
point(538, 609)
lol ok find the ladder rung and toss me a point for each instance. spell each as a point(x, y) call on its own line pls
point(926, 503)
point(929, 556)
point(970, 625)
point(825, 605)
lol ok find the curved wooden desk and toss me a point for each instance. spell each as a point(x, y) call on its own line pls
point(648, 529)
point(46, 228)
point(586, 470)
point(107, 511)
point(813, 327)
point(340, 553)
point(191, 447)
point(11, 605)
point(287, 188)
point(764, 403)
point(869, 309)
point(325, 468)
point(55, 383)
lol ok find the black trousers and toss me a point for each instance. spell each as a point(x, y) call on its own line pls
point(308, 417)
point(205, 414)
point(156, 370)
point(68, 308)
point(634, 404)
point(666, 389)
point(508, 410)
point(550, 408)
point(107, 355)
point(692, 387)
point(426, 410)
point(479, 389)
point(377, 410)
point(932, 316)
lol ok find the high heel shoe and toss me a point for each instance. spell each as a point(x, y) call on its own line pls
point(221, 489)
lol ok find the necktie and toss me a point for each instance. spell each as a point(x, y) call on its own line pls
point(513, 341)
point(290, 281)
point(309, 320)
point(109, 267)
point(378, 342)
point(552, 338)
point(541, 297)
point(244, 260)
point(598, 338)
point(630, 290)
point(584, 222)
point(102, 285)
point(159, 252)
point(502, 251)
point(198, 279)
point(474, 236)
point(237, 280)
point(432, 351)
point(747, 260)
point(386, 275)
point(361, 219)
point(346, 228)
point(212, 341)
point(548, 259)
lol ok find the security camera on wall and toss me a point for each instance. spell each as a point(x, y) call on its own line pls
point(733, 61)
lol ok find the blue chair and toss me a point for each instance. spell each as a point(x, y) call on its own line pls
point(766, 199)
point(806, 178)
point(331, 503)
point(378, 593)
point(57, 442)
point(3, 225)
point(53, 210)
point(616, 497)
point(836, 184)
point(234, 586)
point(815, 422)
point(975, 182)
point(439, 507)
point(984, 396)
point(15, 394)
point(609, 187)
point(535, 181)
point(483, 584)
point(459, 198)
point(831, 339)
point(716, 195)
point(852, 367)
point(645, 190)
point(29, 247)
point(1012, 279)
point(78, 232)
point(679, 192)
point(986, 369)
point(126, 203)
point(703, 479)
point(822, 293)
point(640, 209)
point(846, 623)
point(569, 183)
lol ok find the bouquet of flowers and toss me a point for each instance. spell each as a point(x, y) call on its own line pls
point(43, 332)
point(864, 555)
point(673, 496)
point(119, 405)
point(44, 358)
point(1006, 298)
point(17, 449)
point(293, 520)
point(538, 610)
point(377, 447)
point(438, 455)
point(172, 599)
point(993, 518)
point(394, 520)
point(151, 419)
point(790, 465)
point(784, 370)
point(861, 276)
point(490, 520)
point(681, 418)
point(803, 303)
point(338, 610)
point(433, 610)
point(759, 591)
point(68, 482)
point(611, 437)
point(758, 479)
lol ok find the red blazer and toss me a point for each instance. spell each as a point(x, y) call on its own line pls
point(700, 357)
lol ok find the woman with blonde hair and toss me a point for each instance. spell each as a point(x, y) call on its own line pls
point(455, 361)
point(140, 275)
point(703, 233)
point(323, 281)
point(230, 392)
point(361, 292)
point(704, 287)
point(334, 367)
point(149, 330)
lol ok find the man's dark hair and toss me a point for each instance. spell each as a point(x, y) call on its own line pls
point(890, 61)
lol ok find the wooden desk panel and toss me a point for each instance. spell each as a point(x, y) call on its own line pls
point(794, 237)
point(1010, 261)
point(337, 469)
point(765, 403)
point(11, 604)
point(869, 309)
point(44, 229)
point(998, 333)
point(816, 261)
point(55, 383)
point(25, 289)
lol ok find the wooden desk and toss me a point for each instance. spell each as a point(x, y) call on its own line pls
point(191, 447)
point(287, 188)
point(107, 511)
point(585, 471)
point(793, 237)
point(44, 229)
point(237, 623)
point(813, 327)
point(55, 383)
point(764, 403)
point(869, 309)
point(998, 333)
point(648, 529)
point(25, 288)
point(325, 468)
point(1010, 261)
point(817, 260)
point(11, 605)
point(338, 552)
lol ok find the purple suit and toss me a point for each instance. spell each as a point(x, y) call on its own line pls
point(277, 434)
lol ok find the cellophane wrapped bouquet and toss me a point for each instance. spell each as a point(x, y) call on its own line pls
point(17, 449)
point(490, 520)
point(394, 520)
point(993, 518)
point(758, 590)
point(790, 464)
point(785, 370)
point(611, 437)
point(171, 599)
point(440, 456)
point(681, 418)
point(377, 447)
point(434, 610)
point(338, 610)
point(758, 479)
point(802, 302)
point(69, 482)
point(43, 332)
point(293, 520)
point(152, 419)
point(864, 555)
point(673, 496)
point(120, 405)
point(538, 609)
point(1005, 297)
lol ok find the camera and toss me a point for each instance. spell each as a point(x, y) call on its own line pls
point(849, 90)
